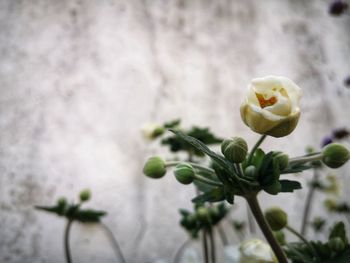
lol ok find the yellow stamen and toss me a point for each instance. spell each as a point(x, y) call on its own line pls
point(265, 102)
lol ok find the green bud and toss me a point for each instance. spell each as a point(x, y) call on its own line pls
point(335, 155)
point(234, 149)
point(330, 204)
point(336, 244)
point(250, 172)
point(62, 202)
point(184, 173)
point(154, 167)
point(203, 214)
point(276, 218)
point(282, 159)
point(85, 195)
point(281, 237)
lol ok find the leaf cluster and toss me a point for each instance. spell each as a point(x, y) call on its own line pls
point(335, 250)
point(202, 217)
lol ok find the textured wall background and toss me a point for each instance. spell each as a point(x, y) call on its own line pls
point(79, 78)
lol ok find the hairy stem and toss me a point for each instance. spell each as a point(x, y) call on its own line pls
point(265, 228)
point(256, 146)
point(305, 158)
point(66, 241)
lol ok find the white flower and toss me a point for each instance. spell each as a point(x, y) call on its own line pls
point(271, 106)
point(256, 251)
point(151, 131)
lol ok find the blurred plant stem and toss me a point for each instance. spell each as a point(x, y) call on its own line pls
point(308, 202)
point(222, 235)
point(256, 146)
point(180, 251)
point(212, 244)
point(114, 243)
point(205, 246)
point(66, 241)
point(265, 228)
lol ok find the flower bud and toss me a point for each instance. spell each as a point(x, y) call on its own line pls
point(203, 214)
point(85, 195)
point(336, 244)
point(234, 149)
point(154, 167)
point(335, 155)
point(271, 106)
point(62, 202)
point(281, 237)
point(276, 218)
point(256, 251)
point(151, 131)
point(250, 172)
point(184, 173)
point(282, 160)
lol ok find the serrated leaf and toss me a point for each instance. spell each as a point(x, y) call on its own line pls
point(89, 215)
point(215, 195)
point(288, 186)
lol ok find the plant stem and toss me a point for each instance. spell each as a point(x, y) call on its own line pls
point(256, 146)
point(194, 165)
point(207, 181)
point(205, 246)
point(180, 250)
point(66, 241)
point(265, 228)
point(222, 235)
point(308, 203)
point(251, 224)
point(305, 158)
point(292, 230)
point(114, 243)
point(212, 244)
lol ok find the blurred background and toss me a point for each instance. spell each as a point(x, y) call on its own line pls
point(78, 79)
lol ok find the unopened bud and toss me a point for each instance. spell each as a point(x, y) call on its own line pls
point(250, 172)
point(276, 218)
point(154, 167)
point(282, 160)
point(234, 149)
point(85, 195)
point(336, 244)
point(335, 155)
point(184, 173)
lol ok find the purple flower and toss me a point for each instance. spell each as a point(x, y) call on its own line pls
point(326, 140)
point(337, 8)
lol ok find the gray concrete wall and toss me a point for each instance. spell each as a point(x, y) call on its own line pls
point(79, 78)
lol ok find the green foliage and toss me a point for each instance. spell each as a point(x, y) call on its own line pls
point(73, 211)
point(202, 218)
point(335, 250)
point(318, 224)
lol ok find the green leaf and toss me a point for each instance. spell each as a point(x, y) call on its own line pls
point(88, 215)
point(172, 124)
point(215, 195)
point(289, 186)
point(204, 149)
point(58, 210)
point(338, 230)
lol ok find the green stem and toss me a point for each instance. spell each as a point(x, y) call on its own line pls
point(305, 159)
point(292, 230)
point(114, 243)
point(66, 241)
point(206, 180)
point(265, 228)
point(205, 246)
point(212, 244)
point(194, 165)
point(256, 146)
point(308, 203)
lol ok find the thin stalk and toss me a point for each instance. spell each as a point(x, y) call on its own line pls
point(66, 241)
point(222, 235)
point(205, 246)
point(180, 251)
point(206, 180)
point(212, 244)
point(265, 228)
point(305, 159)
point(292, 230)
point(194, 165)
point(251, 225)
point(114, 243)
point(308, 203)
point(256, 146)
